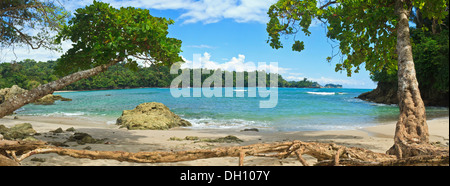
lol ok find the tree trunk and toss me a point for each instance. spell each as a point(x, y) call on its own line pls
point(17, 101)
point(411, 132)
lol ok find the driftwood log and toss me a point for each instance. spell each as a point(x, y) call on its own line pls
point(327, 154)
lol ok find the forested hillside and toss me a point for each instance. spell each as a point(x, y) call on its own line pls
point(29, 74)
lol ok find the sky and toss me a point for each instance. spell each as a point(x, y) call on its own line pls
point(227, 33)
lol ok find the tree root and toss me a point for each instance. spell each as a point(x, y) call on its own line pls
point(327, 154)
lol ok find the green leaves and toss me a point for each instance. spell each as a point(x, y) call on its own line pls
point(102, 33)
point(365, 30)
point(30, 22)
point(298, 46)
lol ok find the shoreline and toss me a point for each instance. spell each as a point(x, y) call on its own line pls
point(377, 138)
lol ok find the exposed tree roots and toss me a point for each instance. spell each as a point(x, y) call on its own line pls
point(327, 154)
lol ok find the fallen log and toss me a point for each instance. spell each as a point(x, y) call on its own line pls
point(326, 154)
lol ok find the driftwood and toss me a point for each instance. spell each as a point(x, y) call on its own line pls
point(326, 153)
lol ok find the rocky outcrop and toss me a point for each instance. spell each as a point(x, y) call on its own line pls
point(49, 99)
point(150, 116)
point(386, 93)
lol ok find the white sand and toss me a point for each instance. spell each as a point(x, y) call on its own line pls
point(377, 139)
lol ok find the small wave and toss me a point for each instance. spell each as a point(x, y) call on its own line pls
point(66, 114)
point(240, 90)
point(383, 105)
point(322, 93)
point(209, 123)
point(112, 122)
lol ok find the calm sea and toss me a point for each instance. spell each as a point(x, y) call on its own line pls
point(298, 109)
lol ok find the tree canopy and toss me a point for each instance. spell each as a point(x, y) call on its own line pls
point(19, 20)
point(101, 33)
point(364, 30)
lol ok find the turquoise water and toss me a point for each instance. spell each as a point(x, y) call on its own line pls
point(298, 109)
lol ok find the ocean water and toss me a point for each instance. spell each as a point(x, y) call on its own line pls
point(298, 109)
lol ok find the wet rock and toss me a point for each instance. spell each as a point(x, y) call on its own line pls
point(150, 116)
point(50, 99)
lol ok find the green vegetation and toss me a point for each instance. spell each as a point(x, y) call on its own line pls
point(18, 17)
point(366, 31)
point(30, 74)
point(431, 58)
point(103, 35)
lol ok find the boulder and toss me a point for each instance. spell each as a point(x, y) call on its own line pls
point(150, 116)
point(49, 99)
point(7, 93)
point(19, 131)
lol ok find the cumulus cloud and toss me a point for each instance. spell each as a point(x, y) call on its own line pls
point(194, 11)
point(237, 64)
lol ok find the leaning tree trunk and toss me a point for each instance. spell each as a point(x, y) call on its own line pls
point(411, 133)
point(17, 101)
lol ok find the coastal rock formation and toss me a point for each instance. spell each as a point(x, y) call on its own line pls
point(386, 93)
point(150, 116)
point(49, 99)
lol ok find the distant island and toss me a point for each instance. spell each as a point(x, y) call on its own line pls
point(29, 74)
point(332, 86)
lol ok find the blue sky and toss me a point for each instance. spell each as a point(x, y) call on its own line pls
point(228, 30)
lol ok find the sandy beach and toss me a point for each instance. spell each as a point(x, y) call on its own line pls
point(378, 139)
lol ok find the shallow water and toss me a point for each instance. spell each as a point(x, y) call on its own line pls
point(298, 109)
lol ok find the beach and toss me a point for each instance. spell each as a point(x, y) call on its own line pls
point(377, 138)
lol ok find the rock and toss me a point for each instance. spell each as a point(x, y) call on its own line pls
point(83, 138)
point(150, 116)
point(50, 99)
point(191, 138)
point(71, 129)
point(19, 131)
point(386, 93)
point(250, 130)
point(57, 131)
point(226, 139)
point(7, 93)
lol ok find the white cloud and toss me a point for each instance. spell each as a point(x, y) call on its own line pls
point(237, 64)
point(204, 11)
point(20, 53)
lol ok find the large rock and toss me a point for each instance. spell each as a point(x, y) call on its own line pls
point(7, 93)
point(150, 116)
point(49, 99)
point(19, 131)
